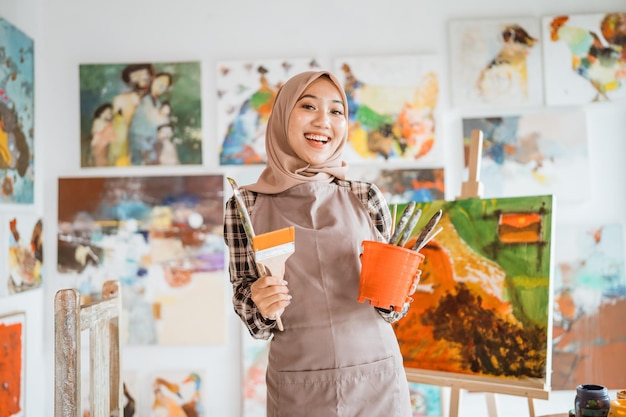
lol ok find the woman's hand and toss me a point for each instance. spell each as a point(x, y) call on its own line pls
point(416, 281)
point(271, 296)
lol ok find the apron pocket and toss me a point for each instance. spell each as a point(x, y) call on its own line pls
point(363, 390)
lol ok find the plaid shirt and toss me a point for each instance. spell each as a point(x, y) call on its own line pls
point(243, 270)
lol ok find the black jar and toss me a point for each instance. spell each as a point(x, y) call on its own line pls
point(592, 401)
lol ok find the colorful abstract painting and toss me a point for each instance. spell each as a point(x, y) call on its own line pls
point(255, 356)
point(25, 255)
point(496, 63)
point(589, 337)
point(176, 393)
point(533, 154)
point(393, 107)
point(17, 121)
point(162, 238)
point(399, 186)
point(140, 114)
point(483, 305)
point(12, 364)
point(245, 94)
point(585, 58)
point(425, 400)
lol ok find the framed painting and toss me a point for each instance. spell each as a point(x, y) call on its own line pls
point(140, 114)
point(483, 307)
point(12, 364)
point(496, 63)
point(245, 96)
point(25, 254)
point(589, 306)
point(399, 186)
point(533, 154)
point(393, 108)
point(17, 121)
point(584, 58)
point(161, 237)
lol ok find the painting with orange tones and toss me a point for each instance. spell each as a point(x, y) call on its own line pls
point(589, 336)
point(393, 108)
point(399, 186)
point(245, 96)
point(12, 366)
point(483, 305)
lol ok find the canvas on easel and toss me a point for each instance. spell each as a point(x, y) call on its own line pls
point(481, 318)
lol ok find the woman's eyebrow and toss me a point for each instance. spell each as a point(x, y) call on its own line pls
point(317, 98)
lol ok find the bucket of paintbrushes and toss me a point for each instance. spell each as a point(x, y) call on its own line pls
point(387, 274)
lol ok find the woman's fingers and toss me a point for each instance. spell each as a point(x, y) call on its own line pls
point(271, 295)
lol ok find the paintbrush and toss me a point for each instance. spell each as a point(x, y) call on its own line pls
point(408, 231)
point(247, 225)
point(427, 229)
point(404, 219)
point(430, 237)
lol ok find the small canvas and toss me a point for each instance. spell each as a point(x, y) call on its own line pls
point(12, 364)
point(426, 400)
point(140, 114)
point(589, 335)
point(245, 95)
point(254, 392)
point(393, 108)
point(483, 306)
point(533, 153)
point(585, 58)
point(25, 255)
point(17, 120)
point(176, 393)
point(496, 63)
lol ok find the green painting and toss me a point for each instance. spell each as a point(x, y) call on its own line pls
point(483, 304)
point(140, 114)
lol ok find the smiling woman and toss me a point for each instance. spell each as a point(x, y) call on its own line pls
point(335, 356)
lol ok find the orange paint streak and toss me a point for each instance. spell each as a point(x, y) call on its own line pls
point(10, 368)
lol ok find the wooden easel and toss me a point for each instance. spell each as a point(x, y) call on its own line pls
point(473, 188)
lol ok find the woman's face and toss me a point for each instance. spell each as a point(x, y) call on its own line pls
point(317, 124)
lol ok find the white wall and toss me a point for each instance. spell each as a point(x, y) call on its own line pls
point(71, 32)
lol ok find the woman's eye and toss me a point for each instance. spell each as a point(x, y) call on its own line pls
point(308, 107)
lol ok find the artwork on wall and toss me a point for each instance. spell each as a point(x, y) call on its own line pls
point(245, 95)
point(533, 154)
point(425, 400)
point(161, 237)
point(399, 186)
point(176, 393)
point(12, 364)
point(140, 114)
point(589, 306)
point(393, 108)
point(584, 57)
point(254, 391)
point(483, 305)
point(17, 100)
point(496, 62)
point(25, 255)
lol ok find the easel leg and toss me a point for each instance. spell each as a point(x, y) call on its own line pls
point(531, 407)
point(492, 406)
point(455, 393)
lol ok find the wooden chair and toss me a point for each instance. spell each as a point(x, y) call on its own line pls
point(101, 319)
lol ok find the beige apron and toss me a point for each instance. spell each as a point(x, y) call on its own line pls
point(336, 356)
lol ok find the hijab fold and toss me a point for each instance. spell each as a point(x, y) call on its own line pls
point(284, 167)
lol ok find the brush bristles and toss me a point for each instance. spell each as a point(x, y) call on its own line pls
point(275, 238)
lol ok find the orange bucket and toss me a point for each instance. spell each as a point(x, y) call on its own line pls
point(387, 273)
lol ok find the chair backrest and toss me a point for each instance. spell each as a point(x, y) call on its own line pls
point(101, 319)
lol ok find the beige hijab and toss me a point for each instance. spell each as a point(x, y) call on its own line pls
point(284, 168)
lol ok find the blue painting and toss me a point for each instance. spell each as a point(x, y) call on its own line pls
point(17, 99)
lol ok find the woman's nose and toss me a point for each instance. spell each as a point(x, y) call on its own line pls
point(322, 119)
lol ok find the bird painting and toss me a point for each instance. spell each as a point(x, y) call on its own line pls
point(598, 55)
